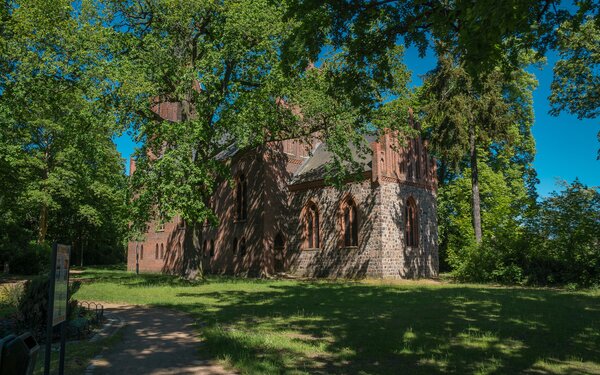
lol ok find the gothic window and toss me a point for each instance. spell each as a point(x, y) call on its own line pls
point(212, 248)
point(411, 223)
point(279, 242)
point(349, 223)
point(162, 251)
point(311, 218)
point(156, 252)
point(242, 247)
point(241, 198)
point(142, 252)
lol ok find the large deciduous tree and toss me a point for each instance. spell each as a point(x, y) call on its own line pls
point(58, 156)
point(220, 63)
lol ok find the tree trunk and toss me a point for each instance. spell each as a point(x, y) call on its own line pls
point(475, 198)
point(191, 264)
point(43, 224)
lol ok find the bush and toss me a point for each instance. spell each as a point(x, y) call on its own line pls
point(33, 307)
point(12, 295)
point(32, 260)
point(486, 262)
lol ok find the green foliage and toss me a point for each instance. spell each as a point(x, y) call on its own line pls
point(567, 249)
point(33, 307)
point(554, 242)
point(12, 294)
point(61, 177)
point(503, 201)
point(31, 260)
point(576, 85)
point(223, 63)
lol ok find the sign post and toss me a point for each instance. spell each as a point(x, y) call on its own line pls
point(58, 290)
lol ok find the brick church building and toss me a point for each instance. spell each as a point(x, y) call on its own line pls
point(280, 217)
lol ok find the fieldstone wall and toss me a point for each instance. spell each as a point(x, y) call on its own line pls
point(332, 259)
point(399, 260)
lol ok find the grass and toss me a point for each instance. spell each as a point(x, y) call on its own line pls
point(373, 327)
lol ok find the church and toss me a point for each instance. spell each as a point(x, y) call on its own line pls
point(280, 216)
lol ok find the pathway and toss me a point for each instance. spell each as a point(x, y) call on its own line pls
point(155, 342)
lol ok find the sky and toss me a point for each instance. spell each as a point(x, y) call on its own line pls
point(566, 147)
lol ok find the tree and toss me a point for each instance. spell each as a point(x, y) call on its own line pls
point(58, 155)
point(576, 84)
point(460, 118)
point(483, 33)
point(568, 228)
point(220, 65)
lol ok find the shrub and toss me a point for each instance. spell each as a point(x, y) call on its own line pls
point(12, 294)
point(32, 260)
point(33, 307)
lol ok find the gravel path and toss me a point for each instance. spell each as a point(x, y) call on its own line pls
point(155, 342)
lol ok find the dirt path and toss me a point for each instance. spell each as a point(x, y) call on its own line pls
point(155, 342)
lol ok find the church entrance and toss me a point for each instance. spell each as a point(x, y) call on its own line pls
point(279, 253)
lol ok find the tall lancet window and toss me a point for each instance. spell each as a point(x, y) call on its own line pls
point(411, 223)
point(311, 217)
point(349, 223)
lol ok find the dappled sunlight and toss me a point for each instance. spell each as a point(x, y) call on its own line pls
point(323, 327)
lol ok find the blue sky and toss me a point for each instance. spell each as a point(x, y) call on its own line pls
point(566, 147)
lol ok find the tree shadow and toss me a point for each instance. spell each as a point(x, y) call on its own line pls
point(351, 328)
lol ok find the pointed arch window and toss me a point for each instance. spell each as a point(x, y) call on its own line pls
point(349, 223)
point(156, 252)
point(411, 223)
point(162, 251)
point(242, 247)
point(142, 252)
point(312, 228)
point(241, 198)
point(279, 242)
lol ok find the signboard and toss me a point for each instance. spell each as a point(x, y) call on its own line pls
point(61, 282)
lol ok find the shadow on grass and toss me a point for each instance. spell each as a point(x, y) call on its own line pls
point(361, 329)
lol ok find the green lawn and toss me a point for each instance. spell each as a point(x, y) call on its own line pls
point(296, 327)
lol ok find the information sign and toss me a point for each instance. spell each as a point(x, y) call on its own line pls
point(61, 280)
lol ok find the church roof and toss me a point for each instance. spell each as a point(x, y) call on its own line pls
point(315, 167)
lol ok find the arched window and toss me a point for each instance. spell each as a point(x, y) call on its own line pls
point(411, 223)
point(142, 252)
point(235, 245)
point(349, 223)
point(242, 247)
point(279, 242)
point(279, 250)
point(156, 252)
point(311, 221)
point(162, 251)
point(241, 198)
point(212, 248)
